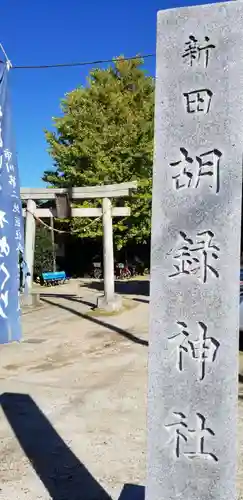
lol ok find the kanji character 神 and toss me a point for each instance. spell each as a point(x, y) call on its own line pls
point(201, 348)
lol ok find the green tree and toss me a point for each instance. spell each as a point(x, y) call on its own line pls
point(105, 136)
point(43, 251)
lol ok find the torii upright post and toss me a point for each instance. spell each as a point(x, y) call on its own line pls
point(109, 286)
point(110, 301)
point(30, 241)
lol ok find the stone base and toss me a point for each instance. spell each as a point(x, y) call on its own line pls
point(30, 300)
point(109, 306)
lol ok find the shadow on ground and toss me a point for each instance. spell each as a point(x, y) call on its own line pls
point(123, 287)
point(241, 341)
point(97, 321)
point(62, 474)
point(240, 380)
point(132, 492)
point(72, 297)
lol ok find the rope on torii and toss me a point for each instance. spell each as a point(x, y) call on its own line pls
point(60, 231)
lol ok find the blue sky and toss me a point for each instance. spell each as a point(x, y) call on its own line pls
point(56, 31)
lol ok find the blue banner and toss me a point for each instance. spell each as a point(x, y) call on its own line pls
point(11, 221)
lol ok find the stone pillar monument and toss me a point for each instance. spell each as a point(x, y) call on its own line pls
point(196, 226)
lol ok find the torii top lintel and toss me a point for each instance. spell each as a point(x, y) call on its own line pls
point(79, 193)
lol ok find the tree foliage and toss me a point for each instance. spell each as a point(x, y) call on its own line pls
point(105, 136)
point(43, 251)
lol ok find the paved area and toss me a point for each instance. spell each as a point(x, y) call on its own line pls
point(73, 404)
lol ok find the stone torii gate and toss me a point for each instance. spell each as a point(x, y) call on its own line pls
point(64, 197)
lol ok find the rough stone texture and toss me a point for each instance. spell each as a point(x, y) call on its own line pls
point(109, 306)
point(195, 285)
point(30, 300)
